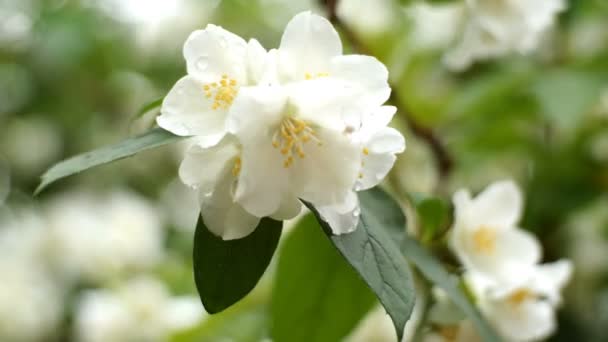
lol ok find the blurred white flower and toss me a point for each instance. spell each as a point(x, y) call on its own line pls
point(485, 236)
point(140, 310)
point(434, 26)
point(368, 16)
point(526, 311)
point(181, 206)
point(309, 110)
point(463, 331)
point(495, 28)
point(30, 299)
point(98, 236)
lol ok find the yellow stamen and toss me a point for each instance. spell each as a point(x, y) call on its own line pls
point(223, 93)
point(309, 76)
point(484, 240)
point(365, 151)
point(291, 136)
point(520, 296)
point(237, 167)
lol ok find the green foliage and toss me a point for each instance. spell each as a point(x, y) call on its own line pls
point(154, 138)
point(371, 251)
point(317, 295)
point(226, 271)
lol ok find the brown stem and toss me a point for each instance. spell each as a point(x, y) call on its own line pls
point(441, 155)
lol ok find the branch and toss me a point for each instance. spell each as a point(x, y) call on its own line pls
point(442, 157)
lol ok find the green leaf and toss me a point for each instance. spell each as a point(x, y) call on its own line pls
point(148, 107)
point(434, 271)
point(432, 213)
point(226, 271)
point(317, 295)
point(153, 138)
point(371, 250)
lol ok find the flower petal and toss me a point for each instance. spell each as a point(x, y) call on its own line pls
point(186, 111)
point(308, 43)
point(328, 172)
point(380, 157)
point(367, 78)
point(222, 215)
point(531, 320)
point(290, 207)
point(212, 52)
point(499, 205)
point(550, 278)
point(203, 167)
point(343, 218)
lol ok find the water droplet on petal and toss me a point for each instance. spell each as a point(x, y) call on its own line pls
point(202, 63)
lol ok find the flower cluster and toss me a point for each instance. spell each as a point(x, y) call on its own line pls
point(516, 293)
point(271, 128)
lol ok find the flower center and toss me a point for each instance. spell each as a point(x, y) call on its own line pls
point(291, 136)
point(309, 76)
point(236, 169)
point(223, 93)
point(520, 296)
point(484, 240)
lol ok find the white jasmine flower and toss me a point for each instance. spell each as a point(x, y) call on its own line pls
point(140, 310)
point(219, 63)
point(367, 16)
point(498, 27)
point(97, 237)
point(485, 236)
point(524, 312)
point(292, 136)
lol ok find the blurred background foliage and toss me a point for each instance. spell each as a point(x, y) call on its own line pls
point(73, 73)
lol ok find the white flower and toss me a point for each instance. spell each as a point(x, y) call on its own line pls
point(301, 133)
point(526, 311)
point(485, 236)
point(219, 63)
point(463, 331)
point(96, 237)
point(427, 33)
point(368, 16)
point(498, 27)
point(140, 310)
point(30, 298)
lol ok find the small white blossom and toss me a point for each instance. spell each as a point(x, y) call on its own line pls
point(525, 311)
point(30, 298)
point(140, 310)
point(96, 237)
point(485, 236)
point(304, 131)
point(498, 27)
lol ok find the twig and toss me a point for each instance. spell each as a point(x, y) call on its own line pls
point(441, 155)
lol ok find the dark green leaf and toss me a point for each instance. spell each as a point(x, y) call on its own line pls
point(432, 213)
point(153, 138)
point(226, 271)
point(317, 295)
point(371, 250)
point(434, 271)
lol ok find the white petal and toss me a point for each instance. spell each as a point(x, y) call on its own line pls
point(256, 111)
point(289, 208)
point(529, 321)
point(203, 167)
point(550, 278)
point(379, 118)
point(308, 43)
point(499, 205)
point(256, 61)
point(328, 172)
point(381, 149)
point(222, 215)
point(462, 201)
point(212, 52)
point(186, 111)
point(367, 78)
point(343, 217)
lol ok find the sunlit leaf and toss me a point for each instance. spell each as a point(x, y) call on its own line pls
point(371, 250)
point(154, 138)
point(317, 295)
point(226, 271)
